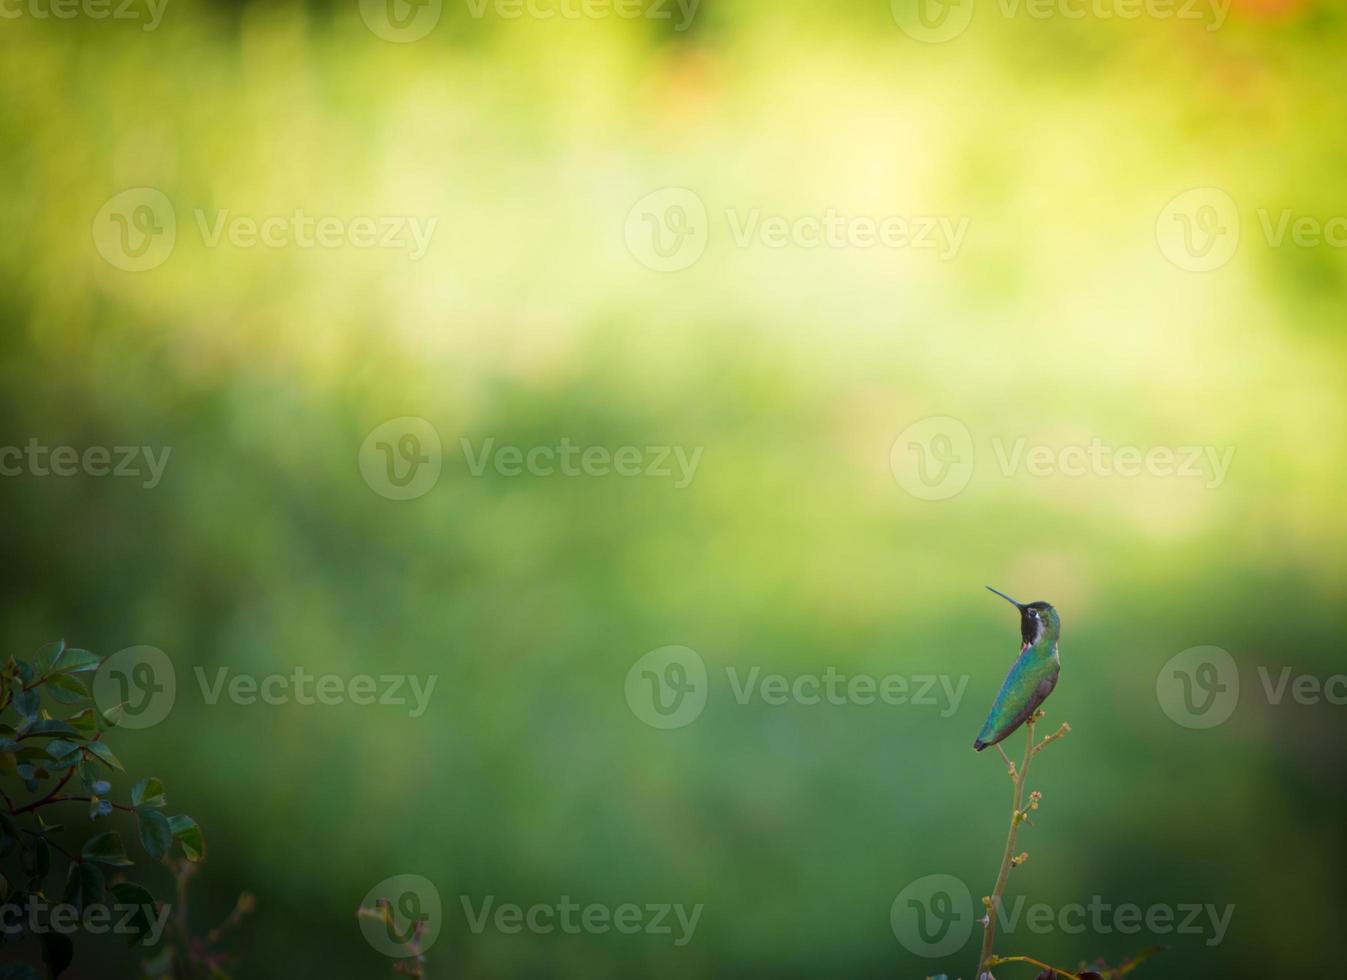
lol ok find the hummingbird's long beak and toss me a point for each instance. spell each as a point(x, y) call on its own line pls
point(1006, 597)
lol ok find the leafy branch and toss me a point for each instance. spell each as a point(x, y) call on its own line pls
point(51, 738)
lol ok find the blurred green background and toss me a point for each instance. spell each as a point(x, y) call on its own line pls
point(1063, 318)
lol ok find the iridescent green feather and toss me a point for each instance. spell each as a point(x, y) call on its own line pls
point(1031, 679)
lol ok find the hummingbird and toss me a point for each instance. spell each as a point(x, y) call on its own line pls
point(1033, 676)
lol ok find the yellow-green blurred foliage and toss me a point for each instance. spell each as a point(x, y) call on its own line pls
point(794, 549)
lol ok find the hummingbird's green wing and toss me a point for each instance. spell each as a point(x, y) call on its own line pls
point(1030, 681)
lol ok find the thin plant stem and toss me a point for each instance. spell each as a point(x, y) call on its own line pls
point(998, 960)
point(993, 903)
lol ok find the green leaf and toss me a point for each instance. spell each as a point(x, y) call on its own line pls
point(106, 848)
point(131, 895)
point(57, 952)
point(113, 715)
point(48, 657)
point(148, 792)
point(60, 748)
point(189, 836)
point(155, 833)
point(84, 885)
point(45, 727)
point(93, 780)
point(26, 703)
point(35, 859)
point(33, 754)
point(67, 689)
point(77, 661)
point(85, 722)
point(105, 754)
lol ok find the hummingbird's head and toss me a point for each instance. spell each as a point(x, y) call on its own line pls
point(1038, 620)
